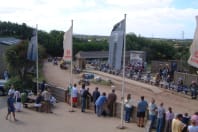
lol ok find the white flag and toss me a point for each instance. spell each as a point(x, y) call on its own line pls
point(67, 45)
point(193, 60)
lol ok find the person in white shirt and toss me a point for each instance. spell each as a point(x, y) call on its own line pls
point(17, 97)
point(74, 95)
point(128, 108)
point(152, 114)
point(46, 95)
point(11, 90)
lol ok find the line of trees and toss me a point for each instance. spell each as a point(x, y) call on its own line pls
point(156, 49)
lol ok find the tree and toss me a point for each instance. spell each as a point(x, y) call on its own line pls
point(18, 65)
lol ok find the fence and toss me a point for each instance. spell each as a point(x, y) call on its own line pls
point(187, 78)
point(63, 95)
point(57, 92)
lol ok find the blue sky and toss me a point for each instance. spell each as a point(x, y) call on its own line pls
point(149, 18)
point(182, 4)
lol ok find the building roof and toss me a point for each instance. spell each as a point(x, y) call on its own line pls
point(9, 40)
point(99, 54)
point(92, 54)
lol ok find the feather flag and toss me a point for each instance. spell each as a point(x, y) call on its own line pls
point(193, 59)
point(67, 45)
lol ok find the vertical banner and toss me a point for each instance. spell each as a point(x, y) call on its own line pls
point(67, 45)
point(193, 59)
point(32, 47)
point(116, 42)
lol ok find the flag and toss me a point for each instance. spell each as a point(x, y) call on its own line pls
point(32, 48)
point(67, 45)
point(193, 59)
point(116, 42)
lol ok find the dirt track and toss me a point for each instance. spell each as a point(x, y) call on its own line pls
point(54, 75)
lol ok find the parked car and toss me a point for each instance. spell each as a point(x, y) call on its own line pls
point(88, 76)
point(2, 87)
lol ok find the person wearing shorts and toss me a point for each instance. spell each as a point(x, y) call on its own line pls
point(141, 110)
point(11, 108)
point(74, 94)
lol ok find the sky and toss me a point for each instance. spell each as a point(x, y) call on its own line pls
point(148, 18)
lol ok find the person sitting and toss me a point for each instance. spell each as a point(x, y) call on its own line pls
point(52, 100)
point(180, 85)
point(157, 79)
point(38, 101)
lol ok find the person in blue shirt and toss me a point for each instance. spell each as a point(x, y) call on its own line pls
point(95, 95)
point(11, 108)
point(141, 110)
point(100, 103)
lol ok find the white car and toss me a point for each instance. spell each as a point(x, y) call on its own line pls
point(2, 85)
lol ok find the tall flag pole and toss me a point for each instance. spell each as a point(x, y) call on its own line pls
point(32, 53)
point(68, 55)
point(123, 76)
point(193, 59)
point(37, 58)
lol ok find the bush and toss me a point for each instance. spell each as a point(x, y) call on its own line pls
point(19, 84)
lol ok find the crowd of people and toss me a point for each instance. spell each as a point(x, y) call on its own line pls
point(103, 104)
point(161, 120)
point(165, 120)
point(16, 100)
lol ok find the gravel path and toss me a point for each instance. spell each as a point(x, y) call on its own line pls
point(180, 104)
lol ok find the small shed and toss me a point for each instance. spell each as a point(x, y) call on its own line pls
point(82, 56)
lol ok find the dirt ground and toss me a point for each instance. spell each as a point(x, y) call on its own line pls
point(180, 104)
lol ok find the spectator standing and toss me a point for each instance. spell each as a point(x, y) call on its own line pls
point(74, 94)
point(11, 108)
point(195, 118)
point(111, 102)
point(152, 114)
point(160, 117)
point(185, 120)
point(193, 89)
point(5, 75)
point(17, 97)
point(128, 108)
point(168, 121)
point(85, 96)
point(177, 125)
point(46, 96)
point(141, 111)
point(83, 99)
point(100, 103)
point(95, 96)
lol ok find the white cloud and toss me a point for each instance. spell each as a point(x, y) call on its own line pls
point(145, 17)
